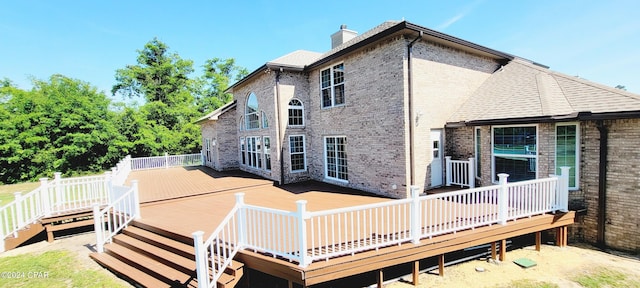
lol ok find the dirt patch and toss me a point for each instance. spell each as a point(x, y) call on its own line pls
point(553, 265)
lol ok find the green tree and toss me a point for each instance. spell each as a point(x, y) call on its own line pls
point(218, 73)
point(164, 122)
point(62, 124)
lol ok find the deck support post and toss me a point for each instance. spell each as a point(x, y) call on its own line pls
point(472, 173)
point(415, 215)
point(136, 199)
point(45, 196)
point(301, 214)
point(503, 198)
point(447, 163)
point(416, 273)
point(561, 236)
point(494, 254)
point(242, 219)
point(441, 264)
point(380, 278)
point(201, 259)
point(98, 226)
point(503, 250)
point(538, 240)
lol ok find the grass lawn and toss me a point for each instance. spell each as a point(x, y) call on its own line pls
point(6, 191)
point(56, 268)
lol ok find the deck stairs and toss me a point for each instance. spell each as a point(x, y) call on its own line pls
point(51, 224)
point(151, 257)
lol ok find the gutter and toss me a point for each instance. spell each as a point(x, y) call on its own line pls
point(410, 104)
point(279, 126)
point(579, 116)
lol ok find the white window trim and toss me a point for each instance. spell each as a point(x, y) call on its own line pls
point(266, 151)
point(258, 151)
point(326, 166)
point(578, 142)
point(493, 156)
point(304, 153)
point(301, 108)
point(332, 87)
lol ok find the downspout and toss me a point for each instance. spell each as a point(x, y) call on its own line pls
point(602, 183)
point(410, 104)
point(279, 127)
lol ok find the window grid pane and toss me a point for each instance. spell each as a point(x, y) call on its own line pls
point(566, 151)
point(296, 151)
point(514, 152)
point(336, 160)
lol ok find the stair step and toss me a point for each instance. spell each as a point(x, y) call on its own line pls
point(178, 262)
point(127, 271)
point(161, 241)
point(148, 265)
point(175, 236)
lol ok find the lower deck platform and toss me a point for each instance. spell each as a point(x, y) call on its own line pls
point(323, 271)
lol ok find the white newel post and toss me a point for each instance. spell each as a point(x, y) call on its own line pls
point(201, 259)
point(136, 199)
point(415, 215)
point(57, 177)
point(242, 223)
point(503, 198)
point(564, 188)
point(472, 173)
point(44, 195)
point(98, 228)
point(302, 229)
point(448, 168)
point(19, 214)
point(166, 160)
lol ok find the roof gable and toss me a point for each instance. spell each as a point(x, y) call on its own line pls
point(523, 90)
point(213, 116)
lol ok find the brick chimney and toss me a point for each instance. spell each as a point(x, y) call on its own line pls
point(343, 35)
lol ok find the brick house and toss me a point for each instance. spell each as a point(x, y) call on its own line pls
point(380, 110)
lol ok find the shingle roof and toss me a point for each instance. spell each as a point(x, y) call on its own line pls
point(296, 59)
point(214, 115)
point(524, 90)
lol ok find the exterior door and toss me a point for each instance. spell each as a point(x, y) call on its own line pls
point(436, 162)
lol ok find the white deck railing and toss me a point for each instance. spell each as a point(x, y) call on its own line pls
point(166, 161)
point(110, 220)
point(304, 236)
point(460, 172)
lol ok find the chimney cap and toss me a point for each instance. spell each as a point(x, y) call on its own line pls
point(343, 26)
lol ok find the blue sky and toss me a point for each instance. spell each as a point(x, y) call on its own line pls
point(89, 40)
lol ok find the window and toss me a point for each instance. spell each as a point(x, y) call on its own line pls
point(515, 152)
point(336, 158)
point(332, 86)
point(254, 152)
point(267, 152)
point(242, 124)
point(567, 147)
point(265, 121)
point(297, 153)
point(478, 151)
point(243, 151)
point(251, 112)
point(296, 113)
point(207, 144)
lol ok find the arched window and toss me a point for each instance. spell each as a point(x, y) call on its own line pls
point(296, 113)
point(251, 112)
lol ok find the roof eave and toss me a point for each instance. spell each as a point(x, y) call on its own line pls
point(580, 116)
point(216, 113)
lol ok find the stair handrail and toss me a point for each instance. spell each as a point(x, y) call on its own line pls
point(216, 253)
point(121, 211)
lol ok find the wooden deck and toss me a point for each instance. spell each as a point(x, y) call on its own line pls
point(169, 204)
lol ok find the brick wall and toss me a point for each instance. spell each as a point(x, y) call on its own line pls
point(622, 228)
